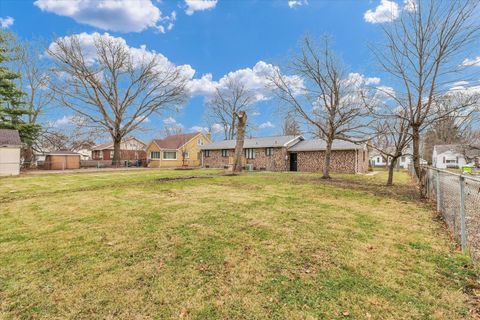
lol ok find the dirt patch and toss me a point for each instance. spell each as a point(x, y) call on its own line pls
point(182, 178)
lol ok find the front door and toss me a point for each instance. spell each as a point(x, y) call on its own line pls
point(293, 162)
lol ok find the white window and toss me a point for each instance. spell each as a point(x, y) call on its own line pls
point(111, 154)
point(378, 160)
point(155, 155)
point(224, 153)
point(268, 152)
point(250, 153)
point(200, 142)
point(207, 153)
point(169, 155)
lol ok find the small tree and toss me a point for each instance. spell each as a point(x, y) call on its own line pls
point(240, 137)
point(118, 88)
point(392, 138)
point(332, 102)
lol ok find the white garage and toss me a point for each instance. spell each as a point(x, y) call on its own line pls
point(10, 145)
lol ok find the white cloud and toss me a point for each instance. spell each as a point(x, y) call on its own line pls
point(199, 5)
point(386, 11)
point(410, 5)
point(471, 62)
point(255, 79)
point(169, 121)
point(297, 3)
point(63, 121)
point(255, 113)
point(6, 22)
point(199, 129)
point(217, 128)
point(266, 125)
point(114, 15)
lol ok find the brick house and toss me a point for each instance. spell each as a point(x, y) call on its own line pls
point(346, 157)
point(265, 153)
point(130, 149)
point(288, 153)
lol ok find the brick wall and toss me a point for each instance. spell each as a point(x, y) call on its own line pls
point(275, 162)
point(342, 161)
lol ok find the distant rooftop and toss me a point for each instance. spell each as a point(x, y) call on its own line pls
point(175, 141)
point(9, 137)
point(319, 145)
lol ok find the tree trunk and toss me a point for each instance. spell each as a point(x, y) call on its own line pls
point(242, 121)
point(117, 141)
point(416, 150)
point(391, 168)
point(328, 155)
point(28, 156)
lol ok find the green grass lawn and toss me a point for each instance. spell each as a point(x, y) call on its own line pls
point(129, 245)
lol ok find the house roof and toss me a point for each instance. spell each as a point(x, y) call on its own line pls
point(175, 141)
point(261, 142)
point(109, 145)
point(62, 153)
point(467, 150)
point(319, 145)
point(10, 137)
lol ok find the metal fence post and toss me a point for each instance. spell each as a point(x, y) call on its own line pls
point(462, 214)
point(438, 191)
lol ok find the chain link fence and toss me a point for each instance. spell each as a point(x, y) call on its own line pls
point(457, 200)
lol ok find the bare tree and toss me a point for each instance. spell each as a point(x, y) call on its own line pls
point(35, 71)
point(391, 137)
point(229, 100)
point(118, 90)
point(290, 126)
point(423, 54)
point(331, 103)
point(240, 135)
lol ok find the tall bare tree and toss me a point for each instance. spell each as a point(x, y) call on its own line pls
point(35, 71)
point(240, 137)
point(331, 102)
point(229, 100)
point(116, 89)
point(424, 53)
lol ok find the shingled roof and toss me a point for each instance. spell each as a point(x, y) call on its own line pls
point(319, 145)
point(262, 142)
point(9, 137)
point(175, 141)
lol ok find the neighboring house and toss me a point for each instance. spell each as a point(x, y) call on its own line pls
point(10, 146)
point(379, 160)
point(287, 153)
point(176, 150)
point(84, 149)
point(130, 149)
point(454, 155)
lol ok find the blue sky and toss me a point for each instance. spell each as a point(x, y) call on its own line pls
point(226, 36)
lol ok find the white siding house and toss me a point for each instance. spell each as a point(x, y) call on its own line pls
point(448, 156)
point(10, 146)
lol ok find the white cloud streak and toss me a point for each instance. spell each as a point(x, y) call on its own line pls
point(113, 15)
point(6, 22)
point(199, 5)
